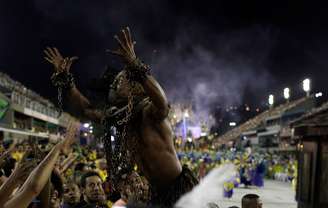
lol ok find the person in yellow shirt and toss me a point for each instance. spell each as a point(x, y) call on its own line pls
point(92, 156)
point(101, 168)
point(17, 155)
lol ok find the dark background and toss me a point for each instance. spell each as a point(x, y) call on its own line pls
point(211, 53)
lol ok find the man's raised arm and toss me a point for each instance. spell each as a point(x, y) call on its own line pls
point(64, 81)
point(83, 105)
point(139, 72)
point(160, 107)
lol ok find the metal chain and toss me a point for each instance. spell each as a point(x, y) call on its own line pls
point(122, 156)
point(132, 149)
point(126, 119)
point(60, 101)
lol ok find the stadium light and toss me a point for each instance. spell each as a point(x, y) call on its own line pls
point(271, 100)
point(203, 134)
point(186, 114)
point(286, 93)
point(232, 124)
point(307, 86)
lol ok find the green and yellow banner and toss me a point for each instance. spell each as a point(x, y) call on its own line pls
point(3, 107)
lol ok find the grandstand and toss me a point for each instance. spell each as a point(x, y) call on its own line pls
point(25, 114)
point(269, 122)
point(315, 117)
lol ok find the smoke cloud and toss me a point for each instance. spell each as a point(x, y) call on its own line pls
point(217, 75)
point(195, 63)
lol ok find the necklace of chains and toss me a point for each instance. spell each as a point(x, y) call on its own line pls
point(121, 157)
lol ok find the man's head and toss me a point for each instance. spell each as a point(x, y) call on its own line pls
point(79, 170)
point(56, 190)
point(55, 200)
point(20, 148)
point(251, 201)
point(122, 86)
point(81, 167)
point(92, 188)
point(72, 193)
point(8, 166)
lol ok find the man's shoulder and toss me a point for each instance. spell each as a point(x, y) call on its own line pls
point(152, 114)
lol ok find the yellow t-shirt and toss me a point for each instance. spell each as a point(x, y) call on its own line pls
point(17, 155)
point(102, 174)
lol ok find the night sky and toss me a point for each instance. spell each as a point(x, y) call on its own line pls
point(212, 53)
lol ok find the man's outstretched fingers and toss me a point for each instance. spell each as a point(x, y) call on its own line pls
point(74, 58)
point(48, 54)
point(46, 58)
point(57, 52)
point(117, 52)
point(129, 35)
point(53, 54)
point(70, 61)
point(127, 42)
point(120, 42)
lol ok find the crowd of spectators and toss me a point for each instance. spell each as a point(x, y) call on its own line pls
point(52, 175)
point(275, 165)
point(67, 175)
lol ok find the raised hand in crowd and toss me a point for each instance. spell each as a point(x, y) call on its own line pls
point(7, 153)
point(40, 175)
point(17, 178)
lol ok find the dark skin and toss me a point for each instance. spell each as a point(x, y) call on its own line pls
point(157, 157)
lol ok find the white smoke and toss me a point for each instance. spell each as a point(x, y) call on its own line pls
point(209, 77)
point(209, 190)
point(194, 62)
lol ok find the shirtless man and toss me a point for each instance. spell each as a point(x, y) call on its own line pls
point(155, 155)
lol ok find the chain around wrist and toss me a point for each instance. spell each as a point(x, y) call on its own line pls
point(137, 70)
point(63, 80)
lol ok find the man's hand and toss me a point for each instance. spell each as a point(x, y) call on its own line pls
point(37, 152)
point(126, 46)
point(6, 154)
point(54, 57)
point(24, 168)
point(69, 138)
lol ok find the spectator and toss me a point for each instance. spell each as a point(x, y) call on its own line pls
point(80, 169)
point(56, 190)
point(72, 195)
point(39, 177)
point(93, 192)
point(251, 201)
